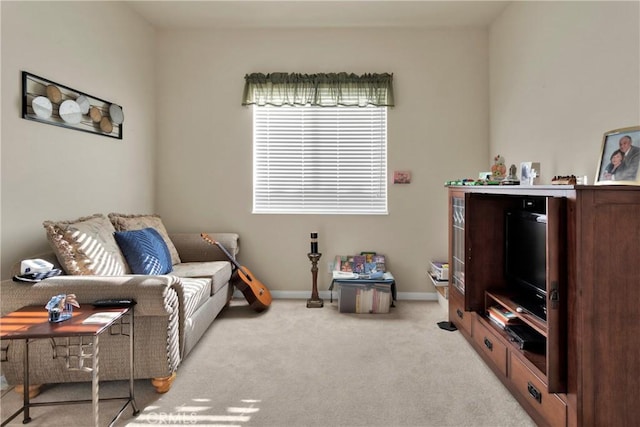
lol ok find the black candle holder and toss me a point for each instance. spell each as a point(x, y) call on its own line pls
point(315, 301)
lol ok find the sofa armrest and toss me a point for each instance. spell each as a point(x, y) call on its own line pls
point(193, 248)
point(150, 292)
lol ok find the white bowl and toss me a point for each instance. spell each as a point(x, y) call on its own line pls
point(83, 102)
point(42, 107)
point(70, 112)
point(117, 117)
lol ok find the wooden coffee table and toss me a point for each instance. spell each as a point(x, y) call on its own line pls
point(87, 323)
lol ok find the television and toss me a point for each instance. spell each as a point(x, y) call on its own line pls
point(526, 260)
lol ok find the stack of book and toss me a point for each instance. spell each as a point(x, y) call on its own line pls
point(365, 263)
point(501, 316)
point(372, 301)
point(364, 298)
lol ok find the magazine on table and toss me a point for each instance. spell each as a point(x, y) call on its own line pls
point(362, 263)
point(102, 317)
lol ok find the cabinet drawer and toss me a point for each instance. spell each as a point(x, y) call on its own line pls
point(550, 406)
point(457, 315)
point(490, 345)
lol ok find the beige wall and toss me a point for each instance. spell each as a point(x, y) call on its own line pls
point(50, 172)
point(563, 73)
point(553, 75)
point(438, 130)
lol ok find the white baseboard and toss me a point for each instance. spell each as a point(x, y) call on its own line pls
point(406, 296)
point(418, 296)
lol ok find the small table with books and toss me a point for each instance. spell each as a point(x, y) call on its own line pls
point(363, 294)
point(85, 327)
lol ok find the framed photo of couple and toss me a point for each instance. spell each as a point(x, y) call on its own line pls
point(620, 158)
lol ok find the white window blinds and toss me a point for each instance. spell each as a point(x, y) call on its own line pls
point(317, 160)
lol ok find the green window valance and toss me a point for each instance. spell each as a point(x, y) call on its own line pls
point(320, 90)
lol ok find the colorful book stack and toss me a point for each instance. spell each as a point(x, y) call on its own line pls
point(501, 316)
point(380, 262)
point(358, 263)
point(365, 263)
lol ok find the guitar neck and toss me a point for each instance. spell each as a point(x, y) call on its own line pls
point(223, 249)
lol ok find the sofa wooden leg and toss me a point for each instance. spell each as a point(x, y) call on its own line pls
point(162, 385)
point(34, 390)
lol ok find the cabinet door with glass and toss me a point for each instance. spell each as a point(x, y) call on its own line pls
point(456, 240)
point(476, 243)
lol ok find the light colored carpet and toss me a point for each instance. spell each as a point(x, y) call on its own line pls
point(294, 366)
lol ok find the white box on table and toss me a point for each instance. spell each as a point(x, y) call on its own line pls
point(440, 270)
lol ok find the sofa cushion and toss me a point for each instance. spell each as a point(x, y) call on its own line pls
point(218, 271)
point(196, 292)
point(145, 251)
point(86, 246)
point(136, 222)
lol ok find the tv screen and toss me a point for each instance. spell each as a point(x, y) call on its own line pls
point(525, 257)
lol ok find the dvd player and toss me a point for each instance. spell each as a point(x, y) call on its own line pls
point(527, 338)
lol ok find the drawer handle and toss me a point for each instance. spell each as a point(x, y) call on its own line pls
point(459, 313)
point(533, 392)
point(488, 343)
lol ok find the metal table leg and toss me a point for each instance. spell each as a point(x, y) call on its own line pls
point(95, 380)
point(25, 392)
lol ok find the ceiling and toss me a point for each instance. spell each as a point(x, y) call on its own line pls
point(317, 14)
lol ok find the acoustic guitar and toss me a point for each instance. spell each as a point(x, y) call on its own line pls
point(256, 293)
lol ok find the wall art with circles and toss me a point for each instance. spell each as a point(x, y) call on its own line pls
point(49, 102)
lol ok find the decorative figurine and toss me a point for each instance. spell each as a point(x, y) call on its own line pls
point(60, 307)
point(512, 179)
point(498, 169)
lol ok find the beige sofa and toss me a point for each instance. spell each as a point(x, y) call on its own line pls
point(172, 313)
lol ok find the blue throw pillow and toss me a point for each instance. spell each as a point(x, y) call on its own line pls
point(145, 251)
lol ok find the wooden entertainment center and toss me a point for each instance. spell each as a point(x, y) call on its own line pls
point(588, 372)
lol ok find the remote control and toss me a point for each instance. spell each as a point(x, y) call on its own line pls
point(114, 302)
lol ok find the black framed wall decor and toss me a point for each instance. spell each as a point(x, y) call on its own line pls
point(52, 103)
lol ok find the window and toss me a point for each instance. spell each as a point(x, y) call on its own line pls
point(320, 160)
point(319, 142)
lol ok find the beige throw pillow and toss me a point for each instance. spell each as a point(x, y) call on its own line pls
point(138, 222)
point(86, 246)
